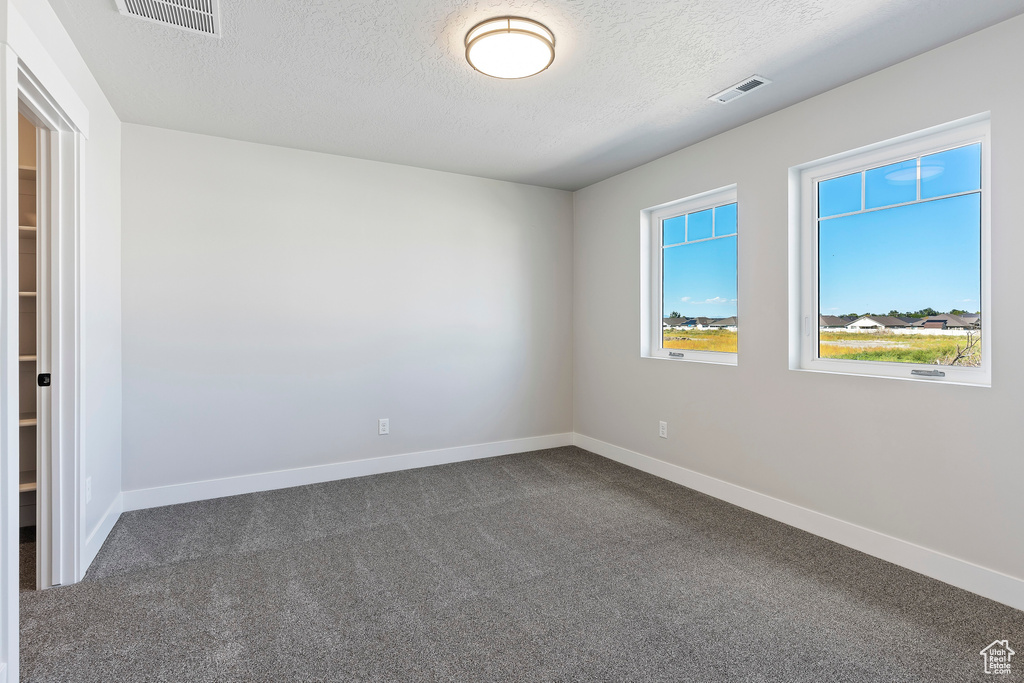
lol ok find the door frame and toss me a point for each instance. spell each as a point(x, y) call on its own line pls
point(60, 502)
point(10, 371)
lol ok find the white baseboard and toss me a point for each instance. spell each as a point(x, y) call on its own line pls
point(95, 540)
point(960, 573)
point(267, 481)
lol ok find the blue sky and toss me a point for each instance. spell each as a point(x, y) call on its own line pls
point(925, 254)
point(905, 257)
point(700, 277)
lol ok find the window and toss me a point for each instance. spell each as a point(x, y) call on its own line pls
point(690, 279)
point(892, 243)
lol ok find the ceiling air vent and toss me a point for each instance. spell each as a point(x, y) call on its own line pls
point(197, 16)
point(740, 89)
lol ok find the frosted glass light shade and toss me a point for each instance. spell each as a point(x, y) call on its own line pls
point(510, 47)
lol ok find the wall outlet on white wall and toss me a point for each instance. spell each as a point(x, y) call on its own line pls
point(663, 429)
point(88, 489)
point(383, 426)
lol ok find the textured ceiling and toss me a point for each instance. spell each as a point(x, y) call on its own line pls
point(387, 79)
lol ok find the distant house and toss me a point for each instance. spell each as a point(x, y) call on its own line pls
point(972, 318)
point(700, 323)
point(673, 323)
point(947, 321)
point(834, 322)
point(723, 324)
point(877, 322)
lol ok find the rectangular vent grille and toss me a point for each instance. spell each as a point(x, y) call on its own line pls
point(740, 89)
point(198, 16)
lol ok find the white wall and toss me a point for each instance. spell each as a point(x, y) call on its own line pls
point(946, 469)
point(278, 302)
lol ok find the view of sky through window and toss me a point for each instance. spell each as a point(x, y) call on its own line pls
point(901, 241)
point(699, 280)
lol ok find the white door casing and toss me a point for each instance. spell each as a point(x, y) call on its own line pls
point(60, 500)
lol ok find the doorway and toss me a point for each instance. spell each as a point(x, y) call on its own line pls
point(51, 490)
point(32, 358)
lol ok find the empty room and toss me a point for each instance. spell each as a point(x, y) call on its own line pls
point(558, 340)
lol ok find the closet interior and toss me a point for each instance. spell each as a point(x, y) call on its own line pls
point(28, 290)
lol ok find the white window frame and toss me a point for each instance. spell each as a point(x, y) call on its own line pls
point(651, 221)
point(804, 308)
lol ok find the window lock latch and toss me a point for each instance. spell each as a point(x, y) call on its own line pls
point(928, 373)
point(44, 379)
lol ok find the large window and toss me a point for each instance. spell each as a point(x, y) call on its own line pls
point(893, 245)
point(692, 299)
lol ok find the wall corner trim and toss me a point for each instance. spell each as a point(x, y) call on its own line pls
point(173, 494)
point(95, 539)
point(986, 582)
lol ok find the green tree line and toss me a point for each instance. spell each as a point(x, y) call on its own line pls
point(922, 313)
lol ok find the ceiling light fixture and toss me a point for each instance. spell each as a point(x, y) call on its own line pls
point(909, 175)
point(510, 47)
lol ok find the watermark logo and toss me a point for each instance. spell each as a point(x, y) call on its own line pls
point(997, 657)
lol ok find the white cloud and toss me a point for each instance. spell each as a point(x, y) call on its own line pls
point(685, 299)
point(713, 300)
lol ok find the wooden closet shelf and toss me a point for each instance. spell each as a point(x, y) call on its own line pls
point(27, 228)
point(27, 481)
point(26, 293)
point(27, 421)
point(27, 359)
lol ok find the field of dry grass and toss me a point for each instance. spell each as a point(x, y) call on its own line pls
point(903, 348)
point(900, 348)
point(700, 340)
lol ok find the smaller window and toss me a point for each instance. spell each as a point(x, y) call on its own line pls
point(690, 302)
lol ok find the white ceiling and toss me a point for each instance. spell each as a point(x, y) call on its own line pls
point(387, 79)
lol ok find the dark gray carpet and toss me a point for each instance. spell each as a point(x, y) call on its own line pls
point(557, 565)
point(27, 559)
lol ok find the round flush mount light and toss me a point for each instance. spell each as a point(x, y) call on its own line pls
point(908, 175)
point(510, 47)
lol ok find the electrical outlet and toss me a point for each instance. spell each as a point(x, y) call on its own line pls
point(88, 489)
point(663, 430)
point(383, 426)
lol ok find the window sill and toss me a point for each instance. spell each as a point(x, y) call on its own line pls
point(697, 357)
point(981, 382)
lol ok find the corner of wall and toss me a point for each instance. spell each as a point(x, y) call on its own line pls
point(94, 541)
